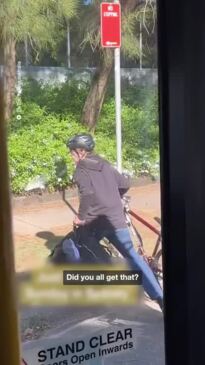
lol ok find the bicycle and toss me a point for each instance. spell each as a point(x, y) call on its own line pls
point(105, 252)
point(155, 259)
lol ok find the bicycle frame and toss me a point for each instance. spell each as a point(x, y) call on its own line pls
point(144, 222)
point(150, 226)
point(153, 259)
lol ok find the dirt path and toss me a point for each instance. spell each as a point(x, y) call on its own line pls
point(38, 227)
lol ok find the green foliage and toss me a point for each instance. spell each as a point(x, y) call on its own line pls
point(139, 131)
point(60, 100)
point(35, 149)
point(40, 21)
point(50, 115)
point(31, 115)
point(130, 40)
point(133, 14)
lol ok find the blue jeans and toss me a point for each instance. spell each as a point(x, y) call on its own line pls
point(120, 238)
point(71, 251)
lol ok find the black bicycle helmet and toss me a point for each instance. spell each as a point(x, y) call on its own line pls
point(84, 141)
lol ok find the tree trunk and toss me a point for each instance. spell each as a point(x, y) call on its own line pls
point(96, 95)
point(9, 76)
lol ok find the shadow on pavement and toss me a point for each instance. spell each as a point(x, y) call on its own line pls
point(50, 239)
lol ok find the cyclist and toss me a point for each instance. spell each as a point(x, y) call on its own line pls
point(101, 188)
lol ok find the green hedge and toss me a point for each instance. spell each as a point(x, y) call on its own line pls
point(51, 115)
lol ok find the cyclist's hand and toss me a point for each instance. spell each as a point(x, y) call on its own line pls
point(78, 222)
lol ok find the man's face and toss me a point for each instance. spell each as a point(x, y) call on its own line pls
point(75, 157)
point(78, 155)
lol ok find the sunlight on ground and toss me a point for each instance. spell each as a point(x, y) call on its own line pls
point(33, 247)
point(32, 252)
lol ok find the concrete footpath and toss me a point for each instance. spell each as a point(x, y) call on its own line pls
point(147, 336)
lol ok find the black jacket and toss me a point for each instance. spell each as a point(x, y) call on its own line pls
point(100, 187)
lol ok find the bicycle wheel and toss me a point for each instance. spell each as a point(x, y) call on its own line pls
point(158, 262)
point(155, 262)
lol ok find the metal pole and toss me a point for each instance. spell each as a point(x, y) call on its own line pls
point(140, 44)
point(68, 47)
point(118, 106)
point(9, 344)
point(26, 51)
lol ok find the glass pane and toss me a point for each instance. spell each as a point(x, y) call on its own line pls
point(86, 231)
